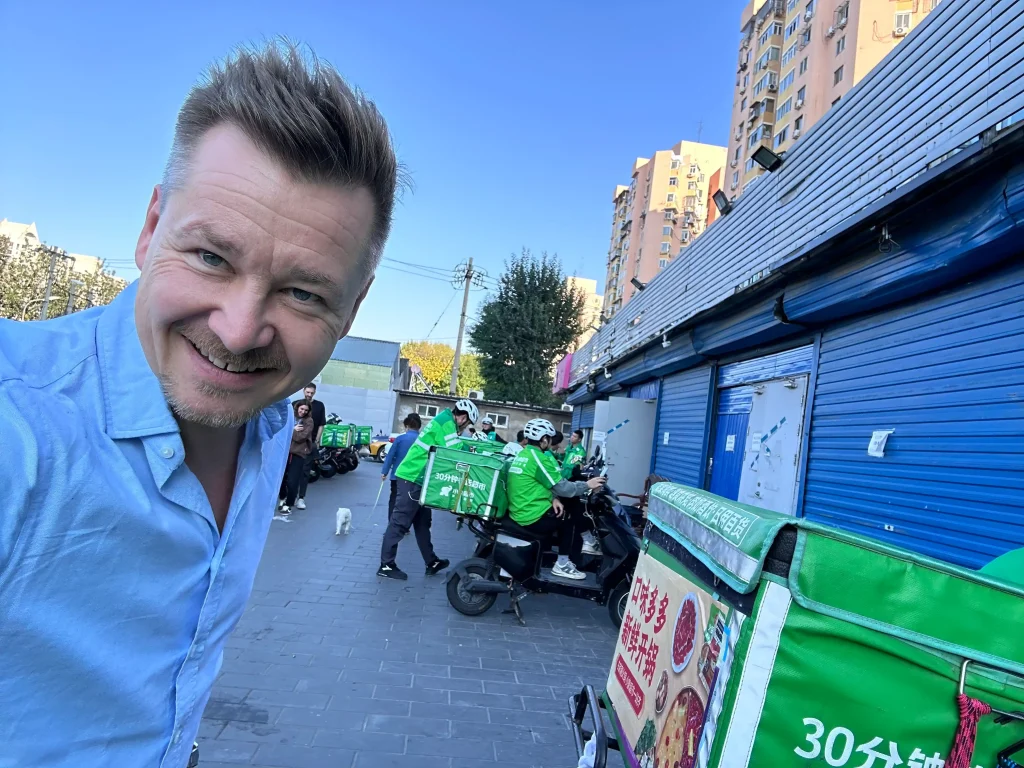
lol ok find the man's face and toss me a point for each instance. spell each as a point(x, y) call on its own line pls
point(575, 439)
point(310, 393)
point(249, 278)
point(461, 419)
point(545, 443)
point(486, 427)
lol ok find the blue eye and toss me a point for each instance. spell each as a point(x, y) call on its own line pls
point(211, 259)
point(303, 296)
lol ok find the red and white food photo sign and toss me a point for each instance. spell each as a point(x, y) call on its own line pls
point(673, 643)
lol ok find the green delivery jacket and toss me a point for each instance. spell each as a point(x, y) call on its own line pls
point(441, 432)
point(575, 455)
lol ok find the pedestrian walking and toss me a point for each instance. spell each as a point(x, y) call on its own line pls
point(144, 442)
point(443, 431)
point(302, 444)
point(319, 416)
point(399, 448)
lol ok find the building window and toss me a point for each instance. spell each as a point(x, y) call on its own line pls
point(770, 31)
point(935, 4)
point(837, 77)
point(842, 14)
point(668, 216)
point(743, 104)
point(791, 5)
point(746, 80)
point(837, 100)
point(735, 178)
point(840, 45)
point(803, 65)
point(736, 156)
point(768, 79)
point(675, 164)
point(693, 169)
point(903, 21)
point(805, 36)
point(784, 108)
point(761, 132)
point(798, 123)
point(787, 80)
point(802, 93)
point(809, 8)
point(691, 185)
point(566, 428)
point(673, 182)
point(790, 54)
point(794, 25)
point(426, 411)
point(499, 419)
point(671, 197)
point(749, 165)
point(662, 263)
point(768, 105)
point(772, 54)
point(666, 231)
point(781, 137)
point(666, 247)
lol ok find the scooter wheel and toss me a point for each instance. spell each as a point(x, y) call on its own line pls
point(469, 603)
point(328, 470)
point(617, 602)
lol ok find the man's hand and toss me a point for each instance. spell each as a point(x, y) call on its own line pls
point(596, 482)
point(383, 477)
point(559, 508)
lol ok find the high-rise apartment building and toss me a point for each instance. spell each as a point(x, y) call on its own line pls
point(797, 58)
point(593, 303)
point(660, 212)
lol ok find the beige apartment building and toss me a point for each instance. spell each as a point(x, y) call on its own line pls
point(659, 213)
point(592, 307)
point(797, 59)
point(25, 237)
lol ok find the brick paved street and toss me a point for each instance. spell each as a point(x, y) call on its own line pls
point(331, 667)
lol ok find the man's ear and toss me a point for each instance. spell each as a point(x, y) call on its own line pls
point(148, 227)
point(355, 309)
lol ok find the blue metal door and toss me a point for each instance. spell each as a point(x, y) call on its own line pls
point(734, 406)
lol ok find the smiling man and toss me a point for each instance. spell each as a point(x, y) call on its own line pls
point(143, 443)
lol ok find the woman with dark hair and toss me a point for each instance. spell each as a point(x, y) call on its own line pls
point(302, 444)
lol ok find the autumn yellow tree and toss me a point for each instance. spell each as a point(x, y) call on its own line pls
point(435, 359)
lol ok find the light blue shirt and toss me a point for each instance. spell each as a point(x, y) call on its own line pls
point(117, 591)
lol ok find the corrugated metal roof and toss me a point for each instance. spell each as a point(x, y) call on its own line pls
point(355, 349)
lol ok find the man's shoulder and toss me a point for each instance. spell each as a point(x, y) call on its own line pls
point(40, 354)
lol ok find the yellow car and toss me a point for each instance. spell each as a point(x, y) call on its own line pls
point(380, 445)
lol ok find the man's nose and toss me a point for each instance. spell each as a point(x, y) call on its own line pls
point(241, 321)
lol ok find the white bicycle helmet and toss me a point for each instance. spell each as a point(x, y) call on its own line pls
point(536, 429)
point(468, 407)
point(488, 420)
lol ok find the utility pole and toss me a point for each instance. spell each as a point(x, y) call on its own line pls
point(468, 279)
point(72, 290)
point(55, 253)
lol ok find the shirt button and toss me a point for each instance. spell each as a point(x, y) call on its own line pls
point(177, 736)
point(200, 649)
point(167, 452)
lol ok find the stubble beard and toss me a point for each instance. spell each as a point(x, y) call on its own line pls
point(216, 418)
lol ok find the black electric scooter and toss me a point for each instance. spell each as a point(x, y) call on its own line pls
point(511, 560)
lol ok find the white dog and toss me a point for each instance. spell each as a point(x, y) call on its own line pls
point(343, 521)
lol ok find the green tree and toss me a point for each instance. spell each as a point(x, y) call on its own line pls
point(645, 743)
point(435, 360)
point(525, 327)
point(23, 284)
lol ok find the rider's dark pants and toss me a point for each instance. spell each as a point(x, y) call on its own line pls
point(568, 532)
point(407, 514)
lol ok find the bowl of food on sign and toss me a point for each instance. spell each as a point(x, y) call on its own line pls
point(680, 736)
point(662, 693)
point(684, 634)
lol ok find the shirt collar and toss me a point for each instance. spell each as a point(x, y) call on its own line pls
point(133, 400)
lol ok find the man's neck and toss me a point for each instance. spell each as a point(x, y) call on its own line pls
point(212, 455)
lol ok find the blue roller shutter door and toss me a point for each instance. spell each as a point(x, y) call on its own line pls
point(683, 413)
point(947, 374)
point(587, 415)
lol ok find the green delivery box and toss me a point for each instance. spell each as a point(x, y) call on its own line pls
point(363, 435)
point(752, 638)
point(465, 483)
point(336, 436)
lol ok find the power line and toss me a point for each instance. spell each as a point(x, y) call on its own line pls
point(454, 294)
point(416, 274)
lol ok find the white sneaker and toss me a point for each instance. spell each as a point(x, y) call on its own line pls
point(300, 504)
point(590, 544)
point(567, 571)
point(284, 517)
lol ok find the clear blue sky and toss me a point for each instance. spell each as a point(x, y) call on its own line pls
point(515, 122)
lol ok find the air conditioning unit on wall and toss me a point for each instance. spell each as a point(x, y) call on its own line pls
point(476, 394)
point(566, 407)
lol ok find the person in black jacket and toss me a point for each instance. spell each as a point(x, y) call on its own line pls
point(319, 416)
